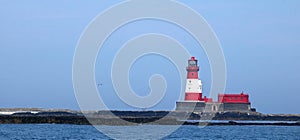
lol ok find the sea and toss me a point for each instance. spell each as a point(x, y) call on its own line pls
point(88, 132)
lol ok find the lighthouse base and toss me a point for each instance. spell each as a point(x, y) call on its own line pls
point(199, 106)
point(190, 106)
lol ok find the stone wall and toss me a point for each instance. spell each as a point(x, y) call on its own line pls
point(211, 107)
point(190, 106)
point(236, 106)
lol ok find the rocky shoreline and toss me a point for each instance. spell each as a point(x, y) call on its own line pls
point(40, 116)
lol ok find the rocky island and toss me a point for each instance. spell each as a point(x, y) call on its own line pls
point(63, 116)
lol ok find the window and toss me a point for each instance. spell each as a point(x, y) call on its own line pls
point(214, 108)
point(192, 63)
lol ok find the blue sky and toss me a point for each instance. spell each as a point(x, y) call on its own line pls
point(260, 41)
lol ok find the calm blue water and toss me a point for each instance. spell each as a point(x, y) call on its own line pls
point(60, 132)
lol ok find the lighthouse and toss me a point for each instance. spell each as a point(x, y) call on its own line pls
point(193, 101)
point(193, 90)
